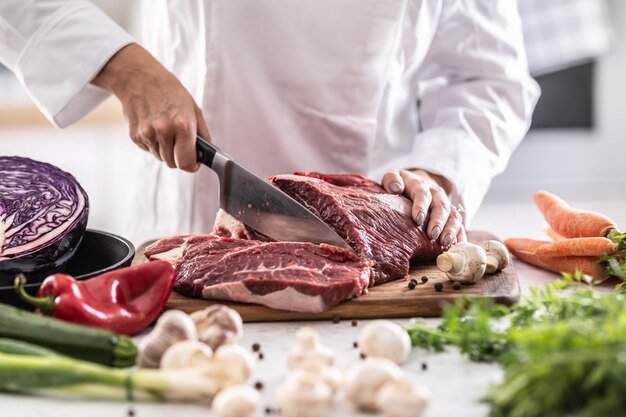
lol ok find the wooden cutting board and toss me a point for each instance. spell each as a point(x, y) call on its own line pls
point(391, 300)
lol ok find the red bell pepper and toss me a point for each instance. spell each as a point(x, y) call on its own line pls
point(124, 301)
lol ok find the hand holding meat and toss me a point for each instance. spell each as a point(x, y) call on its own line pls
point(431, 205)
point(162, 117)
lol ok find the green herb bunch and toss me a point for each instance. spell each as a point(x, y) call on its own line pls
point(563, 349)
point(615, 264)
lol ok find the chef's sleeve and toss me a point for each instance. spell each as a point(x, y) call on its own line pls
point(476, 97)
point(55, 48)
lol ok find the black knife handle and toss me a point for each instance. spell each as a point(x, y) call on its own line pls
point(205, 151)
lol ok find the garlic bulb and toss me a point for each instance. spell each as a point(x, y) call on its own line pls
point(218, 325)
point(187, 354)
point(173, 326)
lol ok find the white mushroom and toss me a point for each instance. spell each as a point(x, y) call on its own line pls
point(498, 256)
point(187, 354)
point(402, 398)
point(463, 262)
point(232, 363)
point(236, 401)
point(304, 394)
point(385, 339)
point(173, 326)
point(308, 348)
point(363, 380)
point(218, 325)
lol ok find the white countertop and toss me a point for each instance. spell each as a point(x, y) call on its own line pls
point(456, 384)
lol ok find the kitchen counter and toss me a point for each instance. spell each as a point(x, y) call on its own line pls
point(456, 384)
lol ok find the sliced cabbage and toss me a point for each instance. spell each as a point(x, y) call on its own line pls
point(43, 216)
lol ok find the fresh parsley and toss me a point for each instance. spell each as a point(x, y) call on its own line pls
point(563, 349)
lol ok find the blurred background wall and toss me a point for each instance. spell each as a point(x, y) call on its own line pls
point(583, 161)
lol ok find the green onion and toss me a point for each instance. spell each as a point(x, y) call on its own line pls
point(73, 377)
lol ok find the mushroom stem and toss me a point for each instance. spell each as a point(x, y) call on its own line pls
point(451, 262)
point(492, 264)
point(497, 256)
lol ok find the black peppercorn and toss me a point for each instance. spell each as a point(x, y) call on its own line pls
point(261, 356)
point(424, 279)
point(362, 355)
point(438, 286)
point(412, 284)
point(256, 347)
point(424, 366)
point(456, 285)
point(355, 344)
point(130, 412)
point(336, 319)
point(354, 323)
point(258, 385)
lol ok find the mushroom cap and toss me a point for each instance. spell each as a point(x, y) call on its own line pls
point(402, 398)
point(236, 401)
point(236, 360)
point(474, 262)
point(385, 339)
point(363, 380)
point(499, 251)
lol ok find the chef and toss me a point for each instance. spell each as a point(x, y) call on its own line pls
point(430, 97)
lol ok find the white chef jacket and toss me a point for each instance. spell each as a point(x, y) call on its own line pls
point(333, 86)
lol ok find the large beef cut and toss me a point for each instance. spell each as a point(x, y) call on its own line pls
point(283, 275)
point(377, 225)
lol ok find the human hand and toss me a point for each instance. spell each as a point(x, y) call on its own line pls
point(431, 206)
point(162, 117)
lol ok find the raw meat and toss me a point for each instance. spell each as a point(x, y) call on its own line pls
point(376, 224)
point(285, 275)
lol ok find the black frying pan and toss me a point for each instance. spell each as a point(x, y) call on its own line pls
point(98, 252)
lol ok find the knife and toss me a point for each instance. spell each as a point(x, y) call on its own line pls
point(262, 206)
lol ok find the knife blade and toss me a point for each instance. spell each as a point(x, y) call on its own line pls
point(262, 206)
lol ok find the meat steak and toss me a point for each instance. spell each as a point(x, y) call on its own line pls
point(377, 225)
point(285, 275)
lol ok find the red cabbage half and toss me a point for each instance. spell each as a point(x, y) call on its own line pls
point(43, 216)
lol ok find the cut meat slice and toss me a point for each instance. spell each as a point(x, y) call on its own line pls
point(376, 224)
point(285, 275)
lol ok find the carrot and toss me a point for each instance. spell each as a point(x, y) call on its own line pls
point(524, 244)
point(571, 222)
point(525, 250)
point(580, 246)
point(552, 234)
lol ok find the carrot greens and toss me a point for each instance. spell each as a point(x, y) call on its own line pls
point(615, 264)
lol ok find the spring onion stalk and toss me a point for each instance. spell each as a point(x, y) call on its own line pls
point(18, 347)
point(67, 376)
